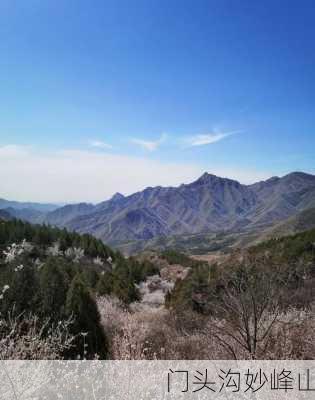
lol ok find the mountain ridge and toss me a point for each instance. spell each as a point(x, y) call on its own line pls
point(43, 207)
point(208, 204)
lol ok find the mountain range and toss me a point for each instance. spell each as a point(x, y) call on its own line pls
point(208, 205)
point(17, 205)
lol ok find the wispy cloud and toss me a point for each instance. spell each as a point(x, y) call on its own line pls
point(207, 138)
point(149, 145)
point(100, 144)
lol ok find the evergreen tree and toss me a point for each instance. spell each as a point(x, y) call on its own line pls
point(90, 276)
point(22, 295)
point(90, 338)
point(53, 289)
point(105, 284)
point(125, 290)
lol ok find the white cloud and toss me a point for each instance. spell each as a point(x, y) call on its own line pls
point(149, 145)
point(73, 175)
point(99, 144)
point(208, 138)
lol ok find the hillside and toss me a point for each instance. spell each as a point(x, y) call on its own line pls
point(42, 207)
point(198, 211)
point(305, 220)
point(290, 260)
point(70, 296)
point(26, 211)
point(49, 279)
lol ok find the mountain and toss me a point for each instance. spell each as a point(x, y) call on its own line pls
point(26, 211)
point(42, 207)
point(25, 214)
point(63, 215)
point(208, 205)
point(5, 215)
point(193, 213)
point(304, 220)
point(281, 198)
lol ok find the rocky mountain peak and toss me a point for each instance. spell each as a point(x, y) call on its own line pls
point(301, 176)
point(117, 196)
point(211, 179)
point(206, 178)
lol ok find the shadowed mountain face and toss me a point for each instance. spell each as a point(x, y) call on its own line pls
point(210, 204)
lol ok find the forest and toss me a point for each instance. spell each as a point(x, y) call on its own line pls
point(69, 296)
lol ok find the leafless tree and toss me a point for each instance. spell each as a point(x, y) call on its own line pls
point(249, 304)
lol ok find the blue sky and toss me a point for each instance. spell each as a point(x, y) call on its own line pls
point(104, 96)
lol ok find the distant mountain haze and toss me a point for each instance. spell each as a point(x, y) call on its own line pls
point(43, 207)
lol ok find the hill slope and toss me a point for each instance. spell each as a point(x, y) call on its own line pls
point(303, 221)
point(208, 205)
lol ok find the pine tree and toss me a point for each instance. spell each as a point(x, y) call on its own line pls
point(90, 338)
point(53, 289)
point(105, 284)
point(126, 291)
point(22, 295)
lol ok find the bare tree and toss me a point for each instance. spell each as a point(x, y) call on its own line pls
point(248, 305)
point(24, 337)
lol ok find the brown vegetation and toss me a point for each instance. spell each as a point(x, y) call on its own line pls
point(161, 334)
